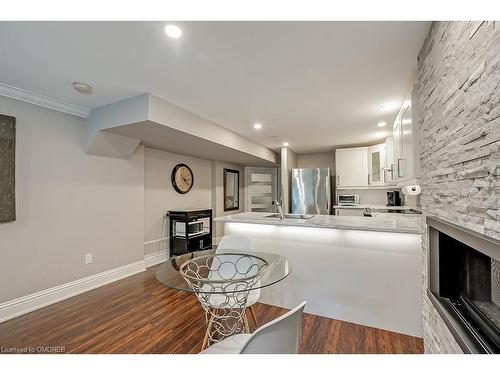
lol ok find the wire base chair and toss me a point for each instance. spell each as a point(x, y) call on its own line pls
point(222, 282)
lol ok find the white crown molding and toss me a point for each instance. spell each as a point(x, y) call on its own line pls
point(42, 101)
point(35, 301)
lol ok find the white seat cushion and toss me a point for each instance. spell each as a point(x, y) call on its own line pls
point(230, 345)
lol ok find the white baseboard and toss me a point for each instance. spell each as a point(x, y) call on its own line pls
point(156, 246)
point(155, 258)
point(31, 302)
point(217, 240)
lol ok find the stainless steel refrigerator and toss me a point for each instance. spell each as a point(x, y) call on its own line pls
point(311, 191)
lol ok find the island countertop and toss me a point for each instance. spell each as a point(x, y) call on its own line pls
point(376, 207)
point(380, 222)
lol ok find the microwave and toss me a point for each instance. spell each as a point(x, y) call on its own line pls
point(348, 199)
point(192, 228)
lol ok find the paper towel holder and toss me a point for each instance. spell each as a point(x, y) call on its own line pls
point(411, 190)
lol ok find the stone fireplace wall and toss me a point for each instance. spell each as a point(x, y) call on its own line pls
point(459, 123)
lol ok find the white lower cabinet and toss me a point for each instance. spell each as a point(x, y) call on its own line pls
point(348, 212)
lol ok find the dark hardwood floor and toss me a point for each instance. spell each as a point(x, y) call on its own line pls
point(140, 315)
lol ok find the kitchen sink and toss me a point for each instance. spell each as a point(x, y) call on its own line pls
point(290, 216)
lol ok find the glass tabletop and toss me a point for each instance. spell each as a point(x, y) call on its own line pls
point(172, 273)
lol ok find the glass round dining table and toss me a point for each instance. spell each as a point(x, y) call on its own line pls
point(225, 283)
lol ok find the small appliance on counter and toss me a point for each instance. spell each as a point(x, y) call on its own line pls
point(348, 199)
point(190, 230)
point(367, 212)
point(393, 198)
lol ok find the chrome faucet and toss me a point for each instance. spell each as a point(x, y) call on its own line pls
point(279, 204)
point(280, 209)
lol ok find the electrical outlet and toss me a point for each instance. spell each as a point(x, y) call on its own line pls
point(88, 258)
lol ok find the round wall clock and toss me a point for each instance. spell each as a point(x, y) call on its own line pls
point(182, 178)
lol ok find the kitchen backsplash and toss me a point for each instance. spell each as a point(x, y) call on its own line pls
point(379, 196)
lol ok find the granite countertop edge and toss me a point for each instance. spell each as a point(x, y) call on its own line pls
point(377, 207)
point(378, 223)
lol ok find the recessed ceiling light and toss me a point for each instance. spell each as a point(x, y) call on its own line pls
point(381, 124)
point(82, 88)
point(389, 106)
point(257, 126)
point(173, 31)
point(286, 144)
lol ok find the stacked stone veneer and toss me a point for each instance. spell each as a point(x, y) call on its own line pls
point(459, 125)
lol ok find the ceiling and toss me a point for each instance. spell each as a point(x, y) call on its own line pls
point(316, 85)
point(162, 137)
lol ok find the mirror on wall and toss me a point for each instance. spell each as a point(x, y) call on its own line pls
point(231, 189)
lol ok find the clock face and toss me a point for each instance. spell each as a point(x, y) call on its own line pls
point(182, 178)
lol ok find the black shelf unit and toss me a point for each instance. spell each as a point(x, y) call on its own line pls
point(187, 244)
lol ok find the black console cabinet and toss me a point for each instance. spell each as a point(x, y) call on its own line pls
point(184, 242)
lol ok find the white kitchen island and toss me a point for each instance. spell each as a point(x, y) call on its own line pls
point(365, 270)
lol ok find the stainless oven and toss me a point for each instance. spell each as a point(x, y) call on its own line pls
point(193, 228)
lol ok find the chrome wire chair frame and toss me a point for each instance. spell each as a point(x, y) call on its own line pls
point(222, 283)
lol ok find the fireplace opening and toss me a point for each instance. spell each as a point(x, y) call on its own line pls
point(464, 284)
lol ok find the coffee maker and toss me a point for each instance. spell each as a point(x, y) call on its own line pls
point(393, 198)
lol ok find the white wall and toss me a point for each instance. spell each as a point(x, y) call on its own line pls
point(369, 196)
point(379, 196)
point(160, 196)
point(317, 160)
point(68, 204)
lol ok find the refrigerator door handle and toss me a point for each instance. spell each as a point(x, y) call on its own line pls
point(328, 192)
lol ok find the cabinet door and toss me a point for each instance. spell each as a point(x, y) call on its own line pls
point(406, 147)
point(407, 142)
point(352, 167)
point(389, 160)
point(376, 163)
point(348, 212)
point(398, 149)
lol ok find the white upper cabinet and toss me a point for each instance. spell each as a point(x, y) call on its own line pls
point(376, 164)
point(406, 142)
point(395, 162)
point(352, 167)
point(397, 135)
